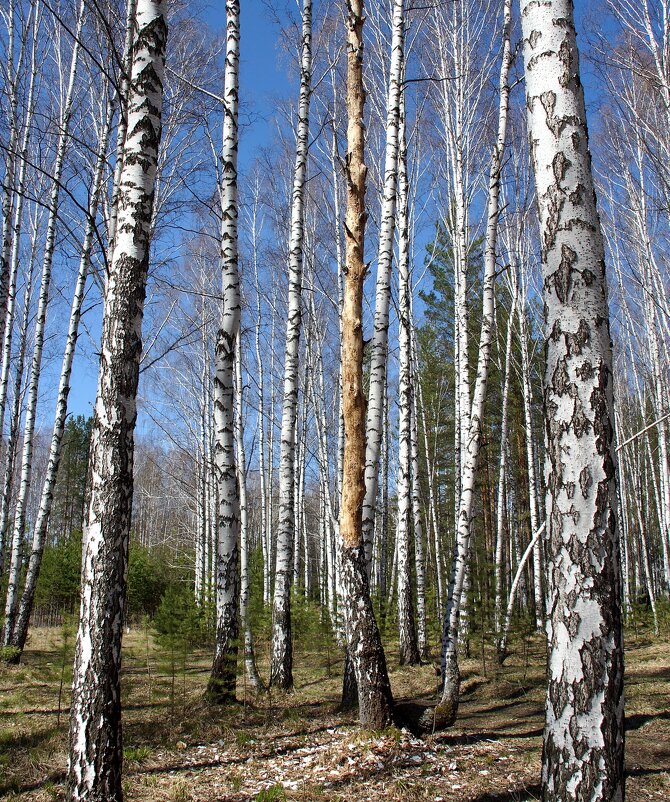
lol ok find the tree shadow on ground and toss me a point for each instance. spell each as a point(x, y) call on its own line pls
point(520, 794)
point(638, 720)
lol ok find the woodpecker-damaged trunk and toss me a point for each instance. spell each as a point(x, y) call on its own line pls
point(364, 642)
point(281, 660)
point(222, 680)
point(584, 735)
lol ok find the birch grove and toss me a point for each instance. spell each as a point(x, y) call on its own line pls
point(325, 351)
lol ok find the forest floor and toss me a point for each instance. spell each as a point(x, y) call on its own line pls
point(299, 747)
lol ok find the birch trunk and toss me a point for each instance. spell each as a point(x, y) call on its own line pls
point(249, 657)
point(379, 345)
point(365, 649)
point(502, 476)
point(222, 680)
point(446, 711)
point(281, 657)
point(11, 447)
point(12, 237)
point(265, 523)
point(96, 752)
point(584, 735)
point(419, 564)
point(409, 648)
point(20, 633)
point(12, 599)
point(533, 489)
point(501, 644)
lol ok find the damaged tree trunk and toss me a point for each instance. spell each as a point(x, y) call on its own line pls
point(364, 642)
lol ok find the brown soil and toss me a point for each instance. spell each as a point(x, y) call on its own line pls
point(299, 747)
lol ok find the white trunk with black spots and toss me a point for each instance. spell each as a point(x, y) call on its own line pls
point(419, 564)
point(11, 243)
point(583, 742)
point(514, 587)
point(379, 344)
point(409, 649)
point(221, 685)
point(12, 600)
point(94, 770)
point(249, 658)
point(20, 631)
point(281, 662)
point(11, 446)
point(502, 473)
point(472, 421)
point(533, 490)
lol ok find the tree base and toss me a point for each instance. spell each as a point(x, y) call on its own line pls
point(219, 692)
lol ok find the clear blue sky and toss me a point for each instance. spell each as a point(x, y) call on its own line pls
point(263, 77)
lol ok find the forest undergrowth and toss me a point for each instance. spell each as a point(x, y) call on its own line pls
point(300, 746)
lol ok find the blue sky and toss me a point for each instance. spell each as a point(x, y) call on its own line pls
point(263, 77)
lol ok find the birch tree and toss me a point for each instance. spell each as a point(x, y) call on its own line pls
point(364, 642)
point(379, 345)
point(281, 665)
point(471, 424)
point(409, 648)
point(20, 631)
point(221, 686)
point(96, 751)
point(12, 599)
point(583, 740)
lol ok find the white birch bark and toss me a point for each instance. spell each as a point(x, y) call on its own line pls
point(501, 644)
point(12, 237)
point(122, 127)
point(11, 447)
point(533, 487)
point(419, 564)
point(221, 685)
point(408, 644)
point(583, 742)
point(281, 662)
point(448, 707)
point(266, 544)
point(249, 657)
point(379, 344)
point(96, 750)
point(12, 599)
point(502, 474)
point(20, 632)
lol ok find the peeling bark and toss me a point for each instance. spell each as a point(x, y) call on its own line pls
point(364, 641)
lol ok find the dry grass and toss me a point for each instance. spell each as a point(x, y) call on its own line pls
point(299, 747)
